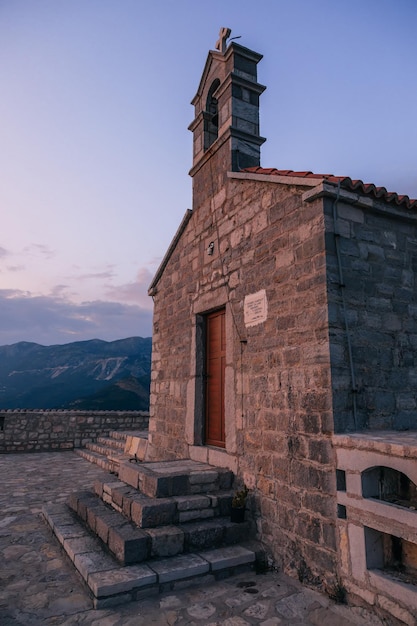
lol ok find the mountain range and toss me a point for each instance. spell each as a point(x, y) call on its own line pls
point(85, 375)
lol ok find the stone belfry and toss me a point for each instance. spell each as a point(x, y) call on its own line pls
point(226, 124)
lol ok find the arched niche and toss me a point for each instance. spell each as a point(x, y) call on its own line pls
point(211, 117)
point(389, 485)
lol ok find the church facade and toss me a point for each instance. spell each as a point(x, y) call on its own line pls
point(284, 347)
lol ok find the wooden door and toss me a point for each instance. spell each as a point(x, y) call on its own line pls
point(215, 369)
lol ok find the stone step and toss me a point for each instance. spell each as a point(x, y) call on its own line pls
point(135, 449)
point(111, 584)
point(109, 462)
point(124, 434)
point(120, 435)
point(110, 442)
point(137, 446)
point(147, 512)
point(130, 544)
point(175, 478)
point(119, 447)
point(126, 542)
point(104, 450)
point(98, 459)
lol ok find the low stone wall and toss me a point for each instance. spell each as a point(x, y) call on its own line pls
point(43, 430)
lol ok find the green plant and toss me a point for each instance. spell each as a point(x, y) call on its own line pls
point(239, 499)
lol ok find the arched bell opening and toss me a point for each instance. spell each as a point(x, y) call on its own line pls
point(211, 116)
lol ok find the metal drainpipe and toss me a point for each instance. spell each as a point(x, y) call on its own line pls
point(342, 288)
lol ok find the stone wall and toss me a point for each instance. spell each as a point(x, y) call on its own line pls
point(278, 385)
point(378, 257)
point(40, 431)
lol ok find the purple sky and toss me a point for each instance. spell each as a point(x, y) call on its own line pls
point(95, 151)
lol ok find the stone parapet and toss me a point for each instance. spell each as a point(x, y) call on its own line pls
point(24, 430)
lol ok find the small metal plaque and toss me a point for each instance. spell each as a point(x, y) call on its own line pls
point(255, 308)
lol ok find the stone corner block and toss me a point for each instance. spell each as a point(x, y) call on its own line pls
point(122, 580)
point(90, 562)
point(177, 568)
point(79, 545)
point(129, 474)
point(230, 556)
point(129, 545)
point(151, 512)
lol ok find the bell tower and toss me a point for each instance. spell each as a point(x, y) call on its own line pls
point(226, 124)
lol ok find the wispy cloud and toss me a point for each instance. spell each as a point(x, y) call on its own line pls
point(105, 275)
point(136, 291)
point(58, 290)
point(15, 268)
point(39, 249)
point(3, 252)
point(54, 319)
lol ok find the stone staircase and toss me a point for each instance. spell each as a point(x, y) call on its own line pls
point(158, 526)
point(109, 452)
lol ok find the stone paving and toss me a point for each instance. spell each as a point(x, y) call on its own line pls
point(39, 586)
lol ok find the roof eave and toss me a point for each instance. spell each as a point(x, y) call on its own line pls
point(152, 287)
point(283, 180)
point(336, 192)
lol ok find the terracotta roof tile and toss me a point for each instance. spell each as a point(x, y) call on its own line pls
point(344, 181)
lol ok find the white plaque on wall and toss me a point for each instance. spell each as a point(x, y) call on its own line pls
point(255, 308)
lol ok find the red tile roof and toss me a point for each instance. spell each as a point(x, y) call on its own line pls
point(344, 181)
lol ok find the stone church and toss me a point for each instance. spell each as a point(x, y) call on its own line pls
point(285, 348)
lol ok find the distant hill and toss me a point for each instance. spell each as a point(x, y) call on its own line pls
point(87, 375)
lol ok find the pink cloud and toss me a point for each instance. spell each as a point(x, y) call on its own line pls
point(136, 291)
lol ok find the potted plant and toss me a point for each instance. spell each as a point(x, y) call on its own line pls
point(237, 513)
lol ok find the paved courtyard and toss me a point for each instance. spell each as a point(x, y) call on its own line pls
point(38, 585)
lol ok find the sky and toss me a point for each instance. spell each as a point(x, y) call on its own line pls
point(95, 152)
